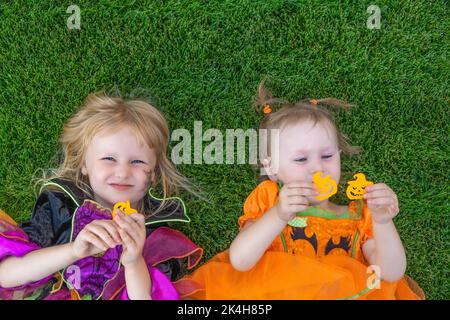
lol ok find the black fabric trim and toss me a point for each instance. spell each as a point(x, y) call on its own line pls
point(50, 222)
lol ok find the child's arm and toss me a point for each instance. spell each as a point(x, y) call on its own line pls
point(133, 233)
point(138, 280)
point(385, 250)
point(256, 236)
point(36, 265)
point(251, 243)
point(96, 237)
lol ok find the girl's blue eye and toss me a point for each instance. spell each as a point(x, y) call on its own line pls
point(112, 159)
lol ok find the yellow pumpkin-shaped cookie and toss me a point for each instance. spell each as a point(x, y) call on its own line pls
point(124, 206)
point(326, 186)
point(356, 188)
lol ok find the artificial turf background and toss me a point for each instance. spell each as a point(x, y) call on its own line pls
point(203, 60)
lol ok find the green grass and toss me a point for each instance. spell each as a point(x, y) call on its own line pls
point(203, 60)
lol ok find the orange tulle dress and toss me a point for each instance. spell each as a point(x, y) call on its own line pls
point(318, 255)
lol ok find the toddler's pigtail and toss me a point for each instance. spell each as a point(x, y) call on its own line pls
point(329, 102)
point(265, 103)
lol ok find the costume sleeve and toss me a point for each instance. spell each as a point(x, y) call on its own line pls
point(50, 220)
point(14, 242)
point(366, 226)
point(261, 199)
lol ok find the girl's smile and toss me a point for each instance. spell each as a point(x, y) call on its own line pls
point(120, 186)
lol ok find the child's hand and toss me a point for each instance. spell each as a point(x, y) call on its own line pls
point(133, 233)
point(293, 199)
point(382, 202)
point(96, 237)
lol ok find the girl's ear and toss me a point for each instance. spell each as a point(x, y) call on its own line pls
point(266, 163)
point(269, 170)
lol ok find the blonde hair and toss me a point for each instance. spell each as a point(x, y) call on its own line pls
point(280, 113)
point(101, 112)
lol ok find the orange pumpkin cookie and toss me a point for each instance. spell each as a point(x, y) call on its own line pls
point(325, 185)
point(125, 207)
point(356, 188)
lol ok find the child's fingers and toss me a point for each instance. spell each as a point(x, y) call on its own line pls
point(122, 218)
point(138, 218)
point(131, 227)
point(128, 219)
point(121, 221)
point(137, 221)
point(126, 238)
point(141, 227)
point(301, 192)
point(301, 184)
point(391, 210)
point(378, 193)
point(117, 212)
point(297, 207)
point(381, 202)
point(101, 233)
point(298, 200)
point(111, 228)
point(377, 186)
point(95, 241)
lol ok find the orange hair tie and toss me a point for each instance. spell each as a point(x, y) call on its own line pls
point(267, 109)
point(313, 102)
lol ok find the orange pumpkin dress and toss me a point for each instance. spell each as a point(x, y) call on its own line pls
point(319, 256)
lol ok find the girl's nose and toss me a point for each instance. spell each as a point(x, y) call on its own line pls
point(315, 168)
point(122, 171)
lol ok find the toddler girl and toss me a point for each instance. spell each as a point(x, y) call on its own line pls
point(292, 245)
